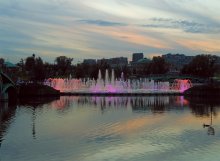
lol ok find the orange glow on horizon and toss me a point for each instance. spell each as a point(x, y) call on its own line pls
point(208, 45)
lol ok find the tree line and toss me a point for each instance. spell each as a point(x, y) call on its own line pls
point(33, 68)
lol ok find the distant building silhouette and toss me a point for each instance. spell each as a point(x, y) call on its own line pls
point(89, 61)
point(137, 56)
point(114, 62)
point(139, 66)
point(177, 61)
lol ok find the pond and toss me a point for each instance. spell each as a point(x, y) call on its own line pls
point(81, 128)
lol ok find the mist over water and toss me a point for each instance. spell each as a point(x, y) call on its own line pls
point(110, 128)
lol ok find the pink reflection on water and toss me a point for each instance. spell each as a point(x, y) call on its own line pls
point(157, 103)
point(181, 101)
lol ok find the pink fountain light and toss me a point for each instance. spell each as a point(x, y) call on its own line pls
point(112, 85)
point(181, 85)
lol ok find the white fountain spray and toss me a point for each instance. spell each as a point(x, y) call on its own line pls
point(112, 85)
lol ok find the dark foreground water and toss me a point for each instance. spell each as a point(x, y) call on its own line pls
point(110, 129)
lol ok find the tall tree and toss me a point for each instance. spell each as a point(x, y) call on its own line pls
point(158, 65)
point(30, 63)
point(21, 63)
point(39, 71)
point(1, 63)
point(63, 64)
point(29, 66)
point(35, 68)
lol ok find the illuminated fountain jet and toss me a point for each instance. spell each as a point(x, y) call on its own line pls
point(112, 85)
point(181, 84)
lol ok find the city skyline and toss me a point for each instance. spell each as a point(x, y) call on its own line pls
point(108, 28)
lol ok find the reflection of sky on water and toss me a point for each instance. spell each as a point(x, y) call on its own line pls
point(111, 128)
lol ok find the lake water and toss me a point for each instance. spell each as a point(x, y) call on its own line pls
point(168, 128)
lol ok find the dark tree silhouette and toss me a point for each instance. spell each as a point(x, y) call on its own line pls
point(158, 66)
point(30, 63)
point(63, 65)
point(1, 63)
point(202, 66)
point(35, 68)
point(39, 71)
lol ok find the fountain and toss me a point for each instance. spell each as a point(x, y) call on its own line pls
point(181, 84)
point(117, 86)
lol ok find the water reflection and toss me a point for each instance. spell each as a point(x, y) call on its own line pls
point(102, 128)
point(200, 107)
point(7, 112)
point(36, 101)
point(158, 104)
point(33, 123)
point(33, 104)
point(204, 106)
point(211, 130)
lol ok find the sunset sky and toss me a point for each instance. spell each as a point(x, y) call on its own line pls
point(107, 28)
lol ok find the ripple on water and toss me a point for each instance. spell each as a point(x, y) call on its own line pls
point(86, 134)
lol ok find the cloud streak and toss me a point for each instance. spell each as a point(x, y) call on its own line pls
point(107, 28)
point(102, 23)
point(184, 25)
